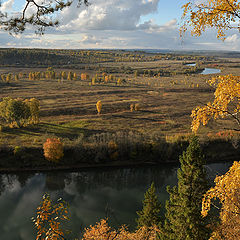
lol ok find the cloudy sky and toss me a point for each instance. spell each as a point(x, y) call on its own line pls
point(117, 24)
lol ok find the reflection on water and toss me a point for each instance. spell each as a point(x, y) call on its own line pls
point(210, 71)
point(92, 195)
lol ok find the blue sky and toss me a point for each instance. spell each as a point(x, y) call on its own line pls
point(166, 10)
point(117, 24)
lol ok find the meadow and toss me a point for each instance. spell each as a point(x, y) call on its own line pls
point(144, 96)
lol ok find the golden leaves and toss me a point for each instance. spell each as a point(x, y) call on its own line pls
point(99, 106)
point(226, 101)
point(102, 231)
point(49, 219)
point(227, 190)
point(210, 13)
point(53, 149)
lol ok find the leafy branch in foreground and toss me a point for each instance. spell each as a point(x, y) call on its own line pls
point(41, 18)
point(226, 102)
point(218, 14)
point(227, 191)
point(49, 219)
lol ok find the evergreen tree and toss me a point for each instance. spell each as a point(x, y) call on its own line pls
point(183, 210)
point(149, 215)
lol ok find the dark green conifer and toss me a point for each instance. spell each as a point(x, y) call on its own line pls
point(149, 215)
point(183, 210)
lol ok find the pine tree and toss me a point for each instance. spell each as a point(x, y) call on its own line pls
point(183, 210)
point(149, 215)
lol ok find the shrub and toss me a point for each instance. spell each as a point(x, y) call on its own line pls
point(53, 149)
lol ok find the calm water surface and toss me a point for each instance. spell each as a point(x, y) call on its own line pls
point(92, 195)
point(206, 70)
point(210, 71)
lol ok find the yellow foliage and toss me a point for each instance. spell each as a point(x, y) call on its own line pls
point(227, 190)
point(49, 219)
point(132, 107)
point(99, 106)
point(112, 145)
point(219, 14)
point(226, 102)
point(119, 81)
point(178, 137)
point(137, 107)
point(102, 231)
point(53, 149)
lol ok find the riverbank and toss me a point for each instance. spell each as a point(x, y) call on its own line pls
point(87, 157)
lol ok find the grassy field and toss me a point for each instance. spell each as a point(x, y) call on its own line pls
point(68, 108)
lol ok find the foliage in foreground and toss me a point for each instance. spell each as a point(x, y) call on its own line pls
point(226, 102)
point(102, 231)
point(150, 214)
point(218, 14)
point(183, 210)
point(227, 191)
point(50, 218)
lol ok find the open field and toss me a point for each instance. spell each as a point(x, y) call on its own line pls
point(68, 108)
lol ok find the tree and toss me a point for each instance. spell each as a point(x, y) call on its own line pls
point(150, 214)
point(227, 191)
point(222, 15)
point(219, 14)
point(14, 111)
point(226, 102)
point(53, 149)
point(183, 210)
point(41, 18)
point(99, 106)
point(19, 112)
point(70, 76)
point(102, 231)
point(34, 107)
point(50, 218)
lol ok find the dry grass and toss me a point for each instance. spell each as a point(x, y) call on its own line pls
point(69, 108)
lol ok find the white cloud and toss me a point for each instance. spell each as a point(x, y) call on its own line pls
point(107, 15)
point(232, 39)
point(7, 6)
point(117, 24)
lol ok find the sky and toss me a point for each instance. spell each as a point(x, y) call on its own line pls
point(122, 24)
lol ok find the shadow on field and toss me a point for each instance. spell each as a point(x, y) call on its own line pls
point(57, 130)
point(138, 117)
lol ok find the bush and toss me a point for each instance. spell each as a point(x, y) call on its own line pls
point(53, 149)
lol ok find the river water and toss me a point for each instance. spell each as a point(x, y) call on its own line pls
point(210, 71)
point(92, 195)
point(206, 70)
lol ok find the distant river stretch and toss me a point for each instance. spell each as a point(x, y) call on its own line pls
point(92, 195)
point(206, 70)
point(210, 71)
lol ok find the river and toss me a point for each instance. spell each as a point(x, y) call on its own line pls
point(210, 71)
point(206, 70)
point(92, 195)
